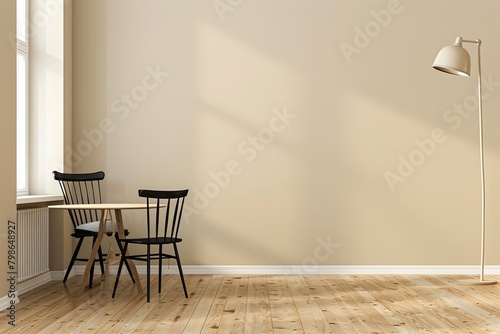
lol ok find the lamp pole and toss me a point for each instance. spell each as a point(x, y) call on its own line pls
point(481, 157)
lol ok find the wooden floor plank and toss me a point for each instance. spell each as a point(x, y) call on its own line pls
point(176, 319)
point(258, 317)
point(466, 309)
point(50, 316)
point(214, 316)
point(338, 314)
point(311, 317)
point(284, 313)
point(383, 321)
point(354, 306)
point(125, 305)
point(264, 304)
point(414, 318)
point(146, 318)
point(198, 318)
point(233, 317)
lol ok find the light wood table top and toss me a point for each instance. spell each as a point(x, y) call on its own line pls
point(104, 206)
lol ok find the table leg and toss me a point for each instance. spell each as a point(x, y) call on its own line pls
point(109, 258)
point(121, 235)
point(97, 244)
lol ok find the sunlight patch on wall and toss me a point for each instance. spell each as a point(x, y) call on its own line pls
point(237, 79)
point(407, 172)
point(246, 171)
point(244, 101)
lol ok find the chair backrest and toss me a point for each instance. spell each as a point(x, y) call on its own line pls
point(81, 189)
point(167, 224)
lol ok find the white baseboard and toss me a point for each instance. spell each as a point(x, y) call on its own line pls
point(6, 302)
point(34, 283)
point(312, 270)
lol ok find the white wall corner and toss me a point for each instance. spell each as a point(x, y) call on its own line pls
point(59, 274)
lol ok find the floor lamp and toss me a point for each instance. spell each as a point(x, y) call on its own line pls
point(454, 59)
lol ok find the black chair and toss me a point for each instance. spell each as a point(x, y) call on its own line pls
point(84, 189)
point(162, 229)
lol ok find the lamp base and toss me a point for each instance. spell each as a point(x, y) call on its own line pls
point(476, 282)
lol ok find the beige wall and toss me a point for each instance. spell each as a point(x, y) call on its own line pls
point(7, 130)
point(285, 118)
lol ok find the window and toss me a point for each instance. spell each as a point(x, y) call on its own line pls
point(22, 97)
point(39, 40)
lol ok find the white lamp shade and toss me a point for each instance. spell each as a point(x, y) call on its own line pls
point(453, 59)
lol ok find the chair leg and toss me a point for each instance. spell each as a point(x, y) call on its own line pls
point(160, 257)
point(148, 271)
point(101, 259)
point(123, 254)
point(180, 269)
point(122, 259)
point(91, 276)
point(73, 259)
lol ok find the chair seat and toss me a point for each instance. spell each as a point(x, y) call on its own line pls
point(152, 241)
point(93, 228)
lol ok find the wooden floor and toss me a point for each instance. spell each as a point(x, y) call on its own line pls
point(265, 304)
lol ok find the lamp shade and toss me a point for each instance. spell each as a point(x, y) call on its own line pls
point(453, 59)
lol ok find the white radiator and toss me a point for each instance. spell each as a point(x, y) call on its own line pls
point(32, 234)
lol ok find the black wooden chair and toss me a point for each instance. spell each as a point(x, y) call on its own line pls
point(84, 189)
point(162, 229)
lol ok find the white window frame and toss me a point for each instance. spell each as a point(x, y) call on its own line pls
point(22, 43)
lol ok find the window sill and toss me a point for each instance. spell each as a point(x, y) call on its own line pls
point(30, 199)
